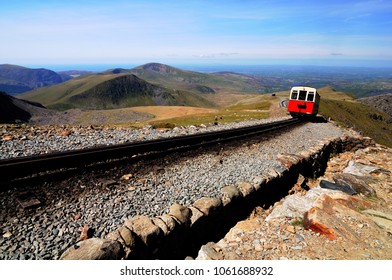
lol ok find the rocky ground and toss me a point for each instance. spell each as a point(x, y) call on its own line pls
point(23, 140)
point(104, 199)
point(381, 102)
point(321, 224)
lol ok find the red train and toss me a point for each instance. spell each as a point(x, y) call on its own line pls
point(303, 102)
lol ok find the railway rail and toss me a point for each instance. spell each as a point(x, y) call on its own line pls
point(38, 167)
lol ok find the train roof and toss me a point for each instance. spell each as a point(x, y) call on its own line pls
point(307, 88)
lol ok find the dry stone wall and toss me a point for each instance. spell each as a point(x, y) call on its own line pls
point(185, 229)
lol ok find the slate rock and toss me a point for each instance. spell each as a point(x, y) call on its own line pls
point(360, 169)
point(355, 182)
point(342, 186)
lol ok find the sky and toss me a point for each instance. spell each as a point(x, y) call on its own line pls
point(245, 32)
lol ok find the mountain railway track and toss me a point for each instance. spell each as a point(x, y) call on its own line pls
point(38, 168)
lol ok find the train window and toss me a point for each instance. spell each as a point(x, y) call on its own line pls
point(310, 96)
point(294, 95)
point(302, 95)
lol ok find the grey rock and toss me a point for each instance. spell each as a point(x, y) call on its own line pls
point(359, 169)
point(341, 186)
point(355, 183)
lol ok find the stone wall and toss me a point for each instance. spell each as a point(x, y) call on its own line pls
point(182, 231)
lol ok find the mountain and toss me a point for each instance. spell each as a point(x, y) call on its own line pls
point(147, 85)
point(204, 83)
point(109, 91)
point(17, 79)
point(13, 110)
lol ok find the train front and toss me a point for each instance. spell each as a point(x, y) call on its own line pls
point(303, 102)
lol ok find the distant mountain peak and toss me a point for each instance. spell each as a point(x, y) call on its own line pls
point(160, 68)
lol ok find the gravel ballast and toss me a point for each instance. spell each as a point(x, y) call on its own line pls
point(103, 200)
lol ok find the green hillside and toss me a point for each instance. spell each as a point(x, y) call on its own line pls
point(151, 84)
point(349, 112)
point(108, 91)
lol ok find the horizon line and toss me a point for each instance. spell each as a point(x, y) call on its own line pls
point(95, 66)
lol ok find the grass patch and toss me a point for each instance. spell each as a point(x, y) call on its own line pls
point(250, 108)
point(221, 116)
point(297, 222)
point(361, 208)
point(240, 106)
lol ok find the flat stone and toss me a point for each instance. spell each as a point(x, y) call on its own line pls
point(355, 183)
point(7, 234)
point(359, 169)
point(383, 223)
point(326, 216)
point(258, 247)
point(28, 200)
point(109, 183)
point(337, 187)
point(94, 249)
point(378, 214)
point(258, 181)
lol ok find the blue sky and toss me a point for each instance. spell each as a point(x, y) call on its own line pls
point(333, 32)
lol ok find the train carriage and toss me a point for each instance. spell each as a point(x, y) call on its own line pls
point(303, 102)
